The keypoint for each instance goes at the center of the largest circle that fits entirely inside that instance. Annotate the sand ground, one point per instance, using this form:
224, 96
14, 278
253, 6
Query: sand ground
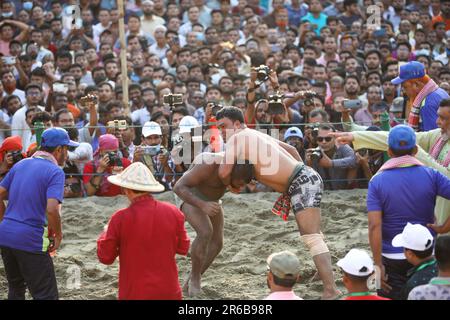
251, 234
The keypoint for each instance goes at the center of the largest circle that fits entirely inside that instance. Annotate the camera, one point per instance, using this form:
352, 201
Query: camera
316, 154
114, 159
215, 108
118, 124
9, 60
152, 150
75, 187
363, 152
262, 74
276, 105
308, 100
16, 156
90, 98
352, 104
173, 99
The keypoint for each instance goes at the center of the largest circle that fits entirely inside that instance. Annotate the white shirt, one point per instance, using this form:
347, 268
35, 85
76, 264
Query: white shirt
19, 126
17, 92
161, 53
185, 28
5, 118
81, 155
97, 31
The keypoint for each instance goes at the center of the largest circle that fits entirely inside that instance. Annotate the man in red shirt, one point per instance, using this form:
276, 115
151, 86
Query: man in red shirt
357, 267
146, 236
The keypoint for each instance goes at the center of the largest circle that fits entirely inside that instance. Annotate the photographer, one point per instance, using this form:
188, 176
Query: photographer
259, 115
333, 163
10, 154
73, 186
154, 155
106, 162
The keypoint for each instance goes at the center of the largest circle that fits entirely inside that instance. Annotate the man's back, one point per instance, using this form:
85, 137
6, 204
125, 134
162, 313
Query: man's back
146, 236
29, 183
405, 195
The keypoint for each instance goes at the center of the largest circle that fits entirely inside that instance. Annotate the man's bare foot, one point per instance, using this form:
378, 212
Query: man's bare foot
194, 287
331, 294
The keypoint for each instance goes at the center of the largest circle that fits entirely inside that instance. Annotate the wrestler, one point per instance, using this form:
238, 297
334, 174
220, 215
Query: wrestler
279, 166
200, 190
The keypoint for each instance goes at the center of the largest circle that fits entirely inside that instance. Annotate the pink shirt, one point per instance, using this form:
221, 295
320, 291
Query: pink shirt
4, 47
283, 295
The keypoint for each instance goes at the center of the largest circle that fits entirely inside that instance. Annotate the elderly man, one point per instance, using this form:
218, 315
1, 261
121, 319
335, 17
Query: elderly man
434, 150
146, 236
423, 93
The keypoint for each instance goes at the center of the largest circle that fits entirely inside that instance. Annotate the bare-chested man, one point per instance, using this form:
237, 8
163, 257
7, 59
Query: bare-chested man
200, 190
279, 166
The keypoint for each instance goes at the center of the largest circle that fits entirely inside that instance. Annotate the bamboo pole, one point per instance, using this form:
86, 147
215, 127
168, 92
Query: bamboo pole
123, 56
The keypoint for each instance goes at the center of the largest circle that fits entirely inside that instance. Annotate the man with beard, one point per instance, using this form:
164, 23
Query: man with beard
389, 90
261, 36
63, 62
149, 21
9, 86
351, 87
294, 137
59, 34
226, 86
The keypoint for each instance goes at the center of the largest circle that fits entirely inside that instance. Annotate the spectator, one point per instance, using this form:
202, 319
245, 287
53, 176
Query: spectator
437, 288
283, 273
154, 155
106, 162
332, 162
10, 154
417, 243
357, 267
385, 213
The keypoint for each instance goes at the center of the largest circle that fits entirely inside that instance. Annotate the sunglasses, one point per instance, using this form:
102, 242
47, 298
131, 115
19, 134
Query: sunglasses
321, 139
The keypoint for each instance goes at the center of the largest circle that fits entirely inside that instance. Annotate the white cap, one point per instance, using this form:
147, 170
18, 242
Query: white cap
187, 123
151, 128
357, 263
148, 2
414, 237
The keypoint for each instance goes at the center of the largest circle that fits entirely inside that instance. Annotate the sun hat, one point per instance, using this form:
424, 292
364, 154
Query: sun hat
137, 177
284, 265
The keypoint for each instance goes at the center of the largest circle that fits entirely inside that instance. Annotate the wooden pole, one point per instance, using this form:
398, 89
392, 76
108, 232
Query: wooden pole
123, 56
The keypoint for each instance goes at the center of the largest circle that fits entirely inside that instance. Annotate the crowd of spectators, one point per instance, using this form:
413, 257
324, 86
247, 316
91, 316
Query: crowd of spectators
211, 53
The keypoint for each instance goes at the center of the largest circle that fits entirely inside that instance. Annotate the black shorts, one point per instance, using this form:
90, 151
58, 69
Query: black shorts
305, 189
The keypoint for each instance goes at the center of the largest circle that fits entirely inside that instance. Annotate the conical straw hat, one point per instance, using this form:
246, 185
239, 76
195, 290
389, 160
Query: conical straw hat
137, 177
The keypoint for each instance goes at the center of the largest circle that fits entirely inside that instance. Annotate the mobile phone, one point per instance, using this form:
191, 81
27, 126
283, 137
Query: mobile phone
378, 33
60, 88
118, 124
352, 104
9, 60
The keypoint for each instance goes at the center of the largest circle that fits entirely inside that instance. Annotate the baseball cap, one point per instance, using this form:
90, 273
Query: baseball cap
187, 123
55, 137
284, 265
410, 70
397, 105
151, 128
357, 262
293, 132
414, 237
401, 137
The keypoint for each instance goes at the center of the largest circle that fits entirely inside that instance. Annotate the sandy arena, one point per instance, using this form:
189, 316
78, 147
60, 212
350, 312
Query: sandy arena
251, 233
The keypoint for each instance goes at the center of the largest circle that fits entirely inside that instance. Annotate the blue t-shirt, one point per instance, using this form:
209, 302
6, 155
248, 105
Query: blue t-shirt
30, 183
318, 22
428, 112
405, 195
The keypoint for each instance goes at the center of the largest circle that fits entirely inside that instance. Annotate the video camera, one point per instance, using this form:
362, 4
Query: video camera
173, 99
308, 100
87, 99
16, 156
316, 154
118, 124
276, 105
262, 74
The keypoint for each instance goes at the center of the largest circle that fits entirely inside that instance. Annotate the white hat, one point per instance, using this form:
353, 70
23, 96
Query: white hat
414, 237
357, 263
137, 177
148, 2
151, 128
187, 123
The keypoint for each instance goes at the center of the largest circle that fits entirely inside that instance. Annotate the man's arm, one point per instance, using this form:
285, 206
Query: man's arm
348, 159
375, 220
54, 220
3, 197
183, 240
108, 242
93, 120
